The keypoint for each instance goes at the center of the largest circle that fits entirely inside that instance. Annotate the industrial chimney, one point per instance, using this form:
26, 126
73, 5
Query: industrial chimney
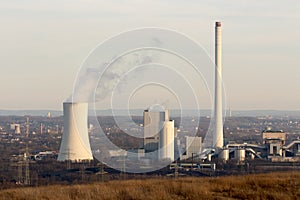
75, 145
218, 118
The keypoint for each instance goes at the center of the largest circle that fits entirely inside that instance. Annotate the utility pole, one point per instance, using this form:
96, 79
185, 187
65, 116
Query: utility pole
82, 171
69, 161
41, 128
27, 126
123, 173
27, 172
102, 171
176, 170
20, 171
26, 156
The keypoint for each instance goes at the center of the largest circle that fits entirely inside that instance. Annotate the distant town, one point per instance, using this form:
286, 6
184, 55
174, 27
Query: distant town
30, 146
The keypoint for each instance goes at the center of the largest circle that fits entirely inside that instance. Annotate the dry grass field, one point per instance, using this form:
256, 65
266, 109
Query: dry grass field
282, 186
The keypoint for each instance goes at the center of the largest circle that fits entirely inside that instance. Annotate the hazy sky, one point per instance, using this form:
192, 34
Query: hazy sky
43, 43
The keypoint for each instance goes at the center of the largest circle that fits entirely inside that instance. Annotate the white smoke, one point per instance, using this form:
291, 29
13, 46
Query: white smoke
99, 82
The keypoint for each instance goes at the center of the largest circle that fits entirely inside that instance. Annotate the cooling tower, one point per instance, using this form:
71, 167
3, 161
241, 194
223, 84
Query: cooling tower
166, 141
75, 143
218, 118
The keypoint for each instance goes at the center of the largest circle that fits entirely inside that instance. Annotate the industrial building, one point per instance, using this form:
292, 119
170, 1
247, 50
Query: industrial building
16, 128
274, 142
159, 134
153, 124
273, 148
166, 141
192, 147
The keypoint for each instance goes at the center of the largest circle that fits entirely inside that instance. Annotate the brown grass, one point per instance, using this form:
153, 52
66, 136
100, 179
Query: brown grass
263, 186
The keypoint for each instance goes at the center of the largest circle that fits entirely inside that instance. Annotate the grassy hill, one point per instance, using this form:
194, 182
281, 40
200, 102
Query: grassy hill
262, 186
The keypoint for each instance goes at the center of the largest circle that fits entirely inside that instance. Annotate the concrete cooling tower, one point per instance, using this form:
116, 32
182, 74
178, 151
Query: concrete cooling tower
75, 145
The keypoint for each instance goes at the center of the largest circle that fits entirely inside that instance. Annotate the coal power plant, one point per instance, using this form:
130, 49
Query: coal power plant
150, 100
161, 142
159, 130
151, 141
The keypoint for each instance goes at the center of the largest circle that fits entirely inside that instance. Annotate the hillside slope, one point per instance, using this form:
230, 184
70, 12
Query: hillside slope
262, 186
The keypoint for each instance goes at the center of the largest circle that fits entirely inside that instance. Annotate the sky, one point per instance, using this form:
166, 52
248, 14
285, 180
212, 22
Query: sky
44, 43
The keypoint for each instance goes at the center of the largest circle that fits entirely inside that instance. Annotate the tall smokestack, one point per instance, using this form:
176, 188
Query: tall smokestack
218, 135
75, 143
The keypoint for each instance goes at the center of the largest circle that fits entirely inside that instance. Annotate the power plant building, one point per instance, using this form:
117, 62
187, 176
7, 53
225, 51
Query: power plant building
274, 141
153, 124
193, 146
75, 145
16, 128
166, 141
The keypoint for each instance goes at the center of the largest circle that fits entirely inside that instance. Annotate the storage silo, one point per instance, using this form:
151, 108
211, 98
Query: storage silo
240, 154
75, 145
224, 154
